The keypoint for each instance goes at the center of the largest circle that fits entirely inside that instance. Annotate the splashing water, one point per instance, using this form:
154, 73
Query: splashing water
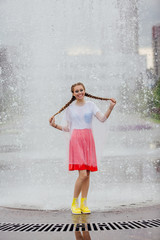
48, 48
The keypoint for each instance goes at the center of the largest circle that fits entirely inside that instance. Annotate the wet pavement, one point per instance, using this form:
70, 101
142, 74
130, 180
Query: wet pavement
140, 223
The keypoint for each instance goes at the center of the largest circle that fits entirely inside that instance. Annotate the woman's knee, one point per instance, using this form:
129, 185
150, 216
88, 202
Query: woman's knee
83, 175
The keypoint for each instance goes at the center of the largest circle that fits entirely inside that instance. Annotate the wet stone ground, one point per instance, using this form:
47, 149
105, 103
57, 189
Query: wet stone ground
142, 223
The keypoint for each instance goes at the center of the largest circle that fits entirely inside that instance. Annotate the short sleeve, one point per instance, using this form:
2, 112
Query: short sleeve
98, 114
95, 109
66, 121
66, 115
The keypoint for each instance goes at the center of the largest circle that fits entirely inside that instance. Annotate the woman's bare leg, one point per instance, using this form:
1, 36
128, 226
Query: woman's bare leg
83, 176
85, 186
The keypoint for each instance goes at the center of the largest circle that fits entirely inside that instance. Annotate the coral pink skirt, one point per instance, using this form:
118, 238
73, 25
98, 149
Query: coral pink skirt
82, 153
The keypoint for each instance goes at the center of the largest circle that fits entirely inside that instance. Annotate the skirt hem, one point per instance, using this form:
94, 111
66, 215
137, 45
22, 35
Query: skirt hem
73, 167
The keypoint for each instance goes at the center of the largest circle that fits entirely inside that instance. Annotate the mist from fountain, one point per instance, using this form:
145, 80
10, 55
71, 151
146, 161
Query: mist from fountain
51, 46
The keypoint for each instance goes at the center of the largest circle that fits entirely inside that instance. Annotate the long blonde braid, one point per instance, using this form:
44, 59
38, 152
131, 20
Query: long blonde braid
73, 97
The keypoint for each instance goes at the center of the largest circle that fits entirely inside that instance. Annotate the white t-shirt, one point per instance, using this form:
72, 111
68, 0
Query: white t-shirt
80, 117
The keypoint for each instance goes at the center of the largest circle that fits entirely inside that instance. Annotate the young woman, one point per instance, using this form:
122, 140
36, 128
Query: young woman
82, 154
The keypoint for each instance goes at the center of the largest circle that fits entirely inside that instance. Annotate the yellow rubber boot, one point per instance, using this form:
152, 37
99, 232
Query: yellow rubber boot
75, 208
83, 207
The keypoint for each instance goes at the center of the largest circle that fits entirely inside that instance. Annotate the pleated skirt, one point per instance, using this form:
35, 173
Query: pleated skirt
82, 152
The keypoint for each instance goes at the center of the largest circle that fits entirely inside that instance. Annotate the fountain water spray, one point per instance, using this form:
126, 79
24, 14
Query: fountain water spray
51, 46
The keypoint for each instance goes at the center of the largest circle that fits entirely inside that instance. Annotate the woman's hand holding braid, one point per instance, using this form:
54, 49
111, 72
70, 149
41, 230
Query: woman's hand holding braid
53, 124
112, 103
52, 121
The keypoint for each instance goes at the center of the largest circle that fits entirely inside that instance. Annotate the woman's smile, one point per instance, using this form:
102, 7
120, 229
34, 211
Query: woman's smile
79, 92
80, 95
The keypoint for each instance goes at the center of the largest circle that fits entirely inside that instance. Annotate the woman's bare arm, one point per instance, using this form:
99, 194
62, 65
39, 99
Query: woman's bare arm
102, 117
53, 124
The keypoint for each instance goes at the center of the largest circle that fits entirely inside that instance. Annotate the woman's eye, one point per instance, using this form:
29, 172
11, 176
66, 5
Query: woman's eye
77, 91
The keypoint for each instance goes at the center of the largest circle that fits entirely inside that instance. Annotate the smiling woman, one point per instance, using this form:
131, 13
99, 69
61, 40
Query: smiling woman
82, 152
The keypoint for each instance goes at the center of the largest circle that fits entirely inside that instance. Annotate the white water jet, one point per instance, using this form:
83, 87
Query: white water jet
59, 43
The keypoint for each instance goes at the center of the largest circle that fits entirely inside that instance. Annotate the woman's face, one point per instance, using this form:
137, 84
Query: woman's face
79, 92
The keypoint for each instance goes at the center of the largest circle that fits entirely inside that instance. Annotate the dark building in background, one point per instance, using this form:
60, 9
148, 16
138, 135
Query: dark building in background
156, 49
